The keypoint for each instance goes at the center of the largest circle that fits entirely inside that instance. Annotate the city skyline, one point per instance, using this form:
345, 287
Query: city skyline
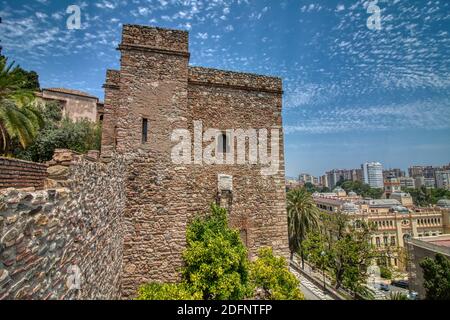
351, 93
405, 170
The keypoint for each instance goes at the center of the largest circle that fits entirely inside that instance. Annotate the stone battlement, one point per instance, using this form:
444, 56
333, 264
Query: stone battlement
237, 80
153, 38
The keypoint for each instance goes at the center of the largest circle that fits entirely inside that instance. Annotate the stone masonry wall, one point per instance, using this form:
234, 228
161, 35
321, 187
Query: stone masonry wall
153, 85
47, 236
110, 116
21, 174
228, 100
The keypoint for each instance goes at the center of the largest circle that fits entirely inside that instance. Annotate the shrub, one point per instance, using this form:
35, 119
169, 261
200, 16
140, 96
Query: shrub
385, 273
167, 291
58, 133
216, 261
270, 274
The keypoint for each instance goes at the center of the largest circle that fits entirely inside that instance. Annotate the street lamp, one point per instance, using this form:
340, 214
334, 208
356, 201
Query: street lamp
323, 270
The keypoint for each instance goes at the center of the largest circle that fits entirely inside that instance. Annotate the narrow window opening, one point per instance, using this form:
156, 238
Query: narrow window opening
144, 130
223, 143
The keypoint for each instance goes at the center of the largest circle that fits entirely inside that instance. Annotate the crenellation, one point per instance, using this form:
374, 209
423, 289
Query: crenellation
237, 80
166, 40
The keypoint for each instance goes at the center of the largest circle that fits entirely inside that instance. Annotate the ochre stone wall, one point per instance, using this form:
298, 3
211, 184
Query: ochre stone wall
47, 236
21, 174
156, 83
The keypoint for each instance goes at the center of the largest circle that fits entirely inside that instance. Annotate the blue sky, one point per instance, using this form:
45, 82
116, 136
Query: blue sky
351, 94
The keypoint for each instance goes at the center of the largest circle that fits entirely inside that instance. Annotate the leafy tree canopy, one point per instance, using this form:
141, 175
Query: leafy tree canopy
271, 275
436, 275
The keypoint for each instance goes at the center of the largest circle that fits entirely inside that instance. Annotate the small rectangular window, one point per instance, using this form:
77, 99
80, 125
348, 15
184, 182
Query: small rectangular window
223, 143
144, 130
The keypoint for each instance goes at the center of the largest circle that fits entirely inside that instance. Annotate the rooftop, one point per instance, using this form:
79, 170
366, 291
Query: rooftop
440, 244
71, 92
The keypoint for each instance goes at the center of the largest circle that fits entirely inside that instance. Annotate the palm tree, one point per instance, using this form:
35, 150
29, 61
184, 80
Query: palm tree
19, 118
303, 217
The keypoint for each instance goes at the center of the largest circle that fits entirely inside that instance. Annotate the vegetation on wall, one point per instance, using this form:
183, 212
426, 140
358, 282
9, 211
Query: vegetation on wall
217, 267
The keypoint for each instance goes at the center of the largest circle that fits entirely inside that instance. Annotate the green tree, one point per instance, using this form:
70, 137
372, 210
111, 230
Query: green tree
270, 274
362, 189
344, 250
19, 118
303, 217
59, 133
352, 254
314, 246
436, 275
216, 262
310, 187
424, 197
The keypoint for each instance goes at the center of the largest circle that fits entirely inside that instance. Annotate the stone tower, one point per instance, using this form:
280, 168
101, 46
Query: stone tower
156, 92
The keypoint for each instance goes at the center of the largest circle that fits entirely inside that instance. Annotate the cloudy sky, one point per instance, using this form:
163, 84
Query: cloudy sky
352, 93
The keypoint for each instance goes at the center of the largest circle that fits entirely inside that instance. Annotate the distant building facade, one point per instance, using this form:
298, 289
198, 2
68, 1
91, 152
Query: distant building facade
391, 185
339, 175
394, 220
443, 179
373, 174
407, 183
397, 173
75, 104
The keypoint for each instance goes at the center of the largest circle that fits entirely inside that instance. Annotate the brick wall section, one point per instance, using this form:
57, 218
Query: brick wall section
21, 174
43, 233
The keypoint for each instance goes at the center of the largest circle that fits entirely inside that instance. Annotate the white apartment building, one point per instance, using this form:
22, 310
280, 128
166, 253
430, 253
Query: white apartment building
373, 174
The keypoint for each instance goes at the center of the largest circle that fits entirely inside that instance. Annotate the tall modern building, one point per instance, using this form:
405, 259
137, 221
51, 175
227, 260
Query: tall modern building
339, 175
373, 174
443, 179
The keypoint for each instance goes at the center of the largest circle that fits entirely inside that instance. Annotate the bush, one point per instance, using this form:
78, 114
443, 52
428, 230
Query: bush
385, 273
270, 274
167, 291
216, 261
